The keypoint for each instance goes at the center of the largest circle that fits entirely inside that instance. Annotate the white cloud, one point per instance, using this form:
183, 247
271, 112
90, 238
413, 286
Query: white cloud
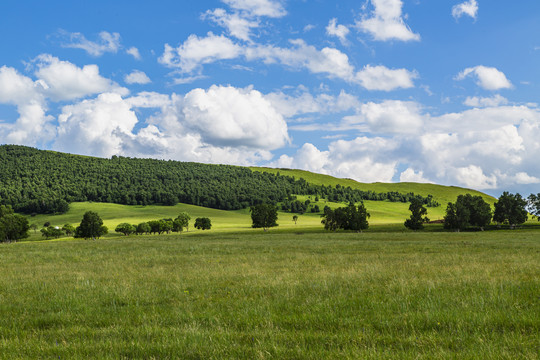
339, 31
488, 78
473, 177
63, 80
227, 116
95, 126
493, 101
33, 125
269, 8
362, 159
137, 77
133, 51
305, 103
107, 42
386, 22
237, 25
469, 8
410, 175
384, 79
196, 51
392, 117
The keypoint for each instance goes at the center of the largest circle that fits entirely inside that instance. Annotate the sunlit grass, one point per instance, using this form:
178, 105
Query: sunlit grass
268, 295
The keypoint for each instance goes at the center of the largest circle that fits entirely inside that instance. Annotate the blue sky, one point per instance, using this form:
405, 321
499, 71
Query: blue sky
380, 90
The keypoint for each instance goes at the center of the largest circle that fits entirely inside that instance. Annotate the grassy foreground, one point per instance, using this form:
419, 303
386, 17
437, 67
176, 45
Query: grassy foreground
274, 295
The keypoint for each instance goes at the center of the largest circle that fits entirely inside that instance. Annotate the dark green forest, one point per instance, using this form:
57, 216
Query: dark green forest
40, 182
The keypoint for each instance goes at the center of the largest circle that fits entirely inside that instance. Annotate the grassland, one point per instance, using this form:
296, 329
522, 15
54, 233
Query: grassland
281, 295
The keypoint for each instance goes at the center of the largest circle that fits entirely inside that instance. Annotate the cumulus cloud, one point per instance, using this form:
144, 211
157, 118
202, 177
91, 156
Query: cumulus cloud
392, 116
237, 25
339, 31
107, 42
96, 125
363, 159
137, 77
468, 8
62, 80
269, 8
410, 175
196, 51
493, 101
33, 125
384, 79
386, 22
228, 116
488, 78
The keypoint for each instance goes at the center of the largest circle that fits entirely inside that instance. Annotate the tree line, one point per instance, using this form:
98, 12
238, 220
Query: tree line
45, 182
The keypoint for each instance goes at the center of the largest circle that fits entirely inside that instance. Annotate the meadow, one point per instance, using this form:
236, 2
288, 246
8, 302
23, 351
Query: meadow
280, 294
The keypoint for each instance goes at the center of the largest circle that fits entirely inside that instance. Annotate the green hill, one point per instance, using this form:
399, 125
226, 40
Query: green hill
442, 194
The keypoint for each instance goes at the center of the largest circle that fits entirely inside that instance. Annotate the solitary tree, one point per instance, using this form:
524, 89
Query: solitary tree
295, 219
263, 216
91, 226
203, 223
418, 212
510, 209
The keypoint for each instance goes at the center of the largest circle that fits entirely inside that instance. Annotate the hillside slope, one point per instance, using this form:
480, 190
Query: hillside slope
442, 194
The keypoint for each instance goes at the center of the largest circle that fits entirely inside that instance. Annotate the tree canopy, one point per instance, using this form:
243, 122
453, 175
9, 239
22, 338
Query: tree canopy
91, 226
467, 211
510, 209
13, 226
203, 223
351, 217
418, 215
264, 216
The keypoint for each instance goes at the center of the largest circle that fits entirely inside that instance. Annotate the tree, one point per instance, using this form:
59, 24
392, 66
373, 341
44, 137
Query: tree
534, 205
418, 218
125, 229
457, 217
68, 229
52, 231
183, 220
510, 209
203, 223
295, 219
263, 216
13, 226
347, 218
91, 226
467, 211
143, 228
479, 210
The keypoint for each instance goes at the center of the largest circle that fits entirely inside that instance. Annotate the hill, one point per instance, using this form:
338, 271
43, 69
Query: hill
442, 194
36, 182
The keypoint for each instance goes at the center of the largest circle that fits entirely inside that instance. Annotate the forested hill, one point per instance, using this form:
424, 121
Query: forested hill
38, 181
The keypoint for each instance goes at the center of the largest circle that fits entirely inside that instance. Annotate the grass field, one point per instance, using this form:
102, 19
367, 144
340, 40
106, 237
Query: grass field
281, 295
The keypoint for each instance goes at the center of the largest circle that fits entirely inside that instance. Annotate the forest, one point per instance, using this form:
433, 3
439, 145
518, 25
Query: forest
36, 181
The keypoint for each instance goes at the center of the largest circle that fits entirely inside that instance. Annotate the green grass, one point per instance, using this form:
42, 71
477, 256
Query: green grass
443, 194
275, 295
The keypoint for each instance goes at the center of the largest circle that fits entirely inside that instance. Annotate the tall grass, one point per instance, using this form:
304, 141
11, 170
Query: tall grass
279, 295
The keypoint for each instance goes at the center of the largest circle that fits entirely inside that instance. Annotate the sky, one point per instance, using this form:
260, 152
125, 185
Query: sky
441, 91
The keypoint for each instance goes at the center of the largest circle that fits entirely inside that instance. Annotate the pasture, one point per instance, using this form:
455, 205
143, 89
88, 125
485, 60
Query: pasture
281, 294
